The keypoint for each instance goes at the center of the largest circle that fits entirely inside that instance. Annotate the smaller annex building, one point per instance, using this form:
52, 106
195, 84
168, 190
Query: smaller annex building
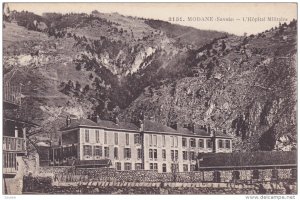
250, 166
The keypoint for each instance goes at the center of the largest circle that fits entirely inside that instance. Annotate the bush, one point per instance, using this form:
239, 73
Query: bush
36, 184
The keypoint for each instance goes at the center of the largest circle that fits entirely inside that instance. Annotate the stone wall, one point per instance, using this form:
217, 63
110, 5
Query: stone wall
71, 174
92, 187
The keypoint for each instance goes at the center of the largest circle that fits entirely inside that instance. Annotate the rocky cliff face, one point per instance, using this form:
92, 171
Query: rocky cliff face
109, 64
245, 86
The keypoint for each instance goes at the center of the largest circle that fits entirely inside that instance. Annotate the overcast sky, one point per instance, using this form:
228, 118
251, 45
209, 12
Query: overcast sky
164, 11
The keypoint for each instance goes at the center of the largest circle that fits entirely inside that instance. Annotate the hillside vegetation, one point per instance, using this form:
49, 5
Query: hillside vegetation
110, 64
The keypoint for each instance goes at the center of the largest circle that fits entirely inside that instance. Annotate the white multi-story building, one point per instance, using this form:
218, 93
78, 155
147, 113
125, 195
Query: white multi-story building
152, 146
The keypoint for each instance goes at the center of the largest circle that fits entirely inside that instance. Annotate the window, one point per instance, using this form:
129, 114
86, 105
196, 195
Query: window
172, 140
137, 139
174, 168
155, 166
255, 174
127, 166
172, 154
155, 140
139, 153
150, 140
97, 136
164, 167
118, 166
106, 152
87, 150
176, 141
127, 139
201, 143
220, 143
155, 153
235, 175
227, 144
193, 168
151, 166
208, 143
150, 153
192, 155
184, 142
127, 153
87, 136
116, 139
185, 167
105, 137
163, 140
185, 155
97, 150
138, 166
192, 142
164, 156
176, 154
217, 177
116, 153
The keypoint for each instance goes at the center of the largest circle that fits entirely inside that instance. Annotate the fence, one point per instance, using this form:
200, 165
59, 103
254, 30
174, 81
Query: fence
12, 94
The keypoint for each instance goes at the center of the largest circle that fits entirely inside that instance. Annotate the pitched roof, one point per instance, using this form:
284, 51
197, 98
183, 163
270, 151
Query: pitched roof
246, 159
149, 126
14, 116
120, 125
199, 131
101, 123
157, 127
79, 122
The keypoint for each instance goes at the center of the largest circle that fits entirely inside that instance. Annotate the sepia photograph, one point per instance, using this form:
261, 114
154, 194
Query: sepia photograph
149, 99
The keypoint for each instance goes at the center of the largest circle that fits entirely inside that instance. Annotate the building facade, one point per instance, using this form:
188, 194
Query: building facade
151, 146
14, 130
256, 166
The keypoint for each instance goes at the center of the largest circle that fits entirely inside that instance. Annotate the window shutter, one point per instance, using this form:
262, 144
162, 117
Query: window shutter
129, 152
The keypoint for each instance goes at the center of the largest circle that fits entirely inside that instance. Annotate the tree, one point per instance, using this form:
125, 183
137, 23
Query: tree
223, 45
91, 76
267, 140
71, 84
86, 89
77, 86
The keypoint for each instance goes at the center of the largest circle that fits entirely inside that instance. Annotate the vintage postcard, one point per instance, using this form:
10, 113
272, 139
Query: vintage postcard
149, 98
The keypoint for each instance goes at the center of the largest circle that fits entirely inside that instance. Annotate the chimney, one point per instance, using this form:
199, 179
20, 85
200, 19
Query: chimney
68, 121
193, 128
97, 119
212, 133
213, 140
224, 131
116, 120
174, 125
141, 121
205, 128
208, 129
190, 127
